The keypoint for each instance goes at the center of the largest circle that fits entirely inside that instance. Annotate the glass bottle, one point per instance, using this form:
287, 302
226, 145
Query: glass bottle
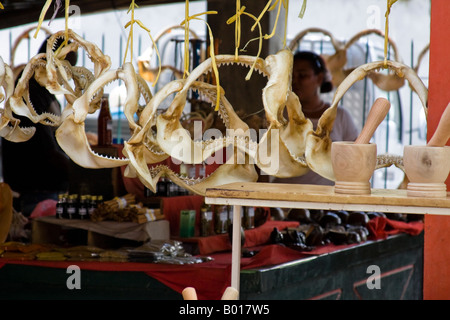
83, 207
161, 187
72, 206
104, 124
206, 220
221, 219
92, 205
61, 206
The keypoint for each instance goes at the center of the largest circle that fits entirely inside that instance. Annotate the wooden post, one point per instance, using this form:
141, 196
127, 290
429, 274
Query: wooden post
436, 285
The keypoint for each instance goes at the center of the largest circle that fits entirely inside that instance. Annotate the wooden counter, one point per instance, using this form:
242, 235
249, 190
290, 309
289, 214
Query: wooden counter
313, 197
323, 197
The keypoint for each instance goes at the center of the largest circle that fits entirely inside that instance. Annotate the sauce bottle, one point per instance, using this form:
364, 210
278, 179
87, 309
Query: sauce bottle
104, 124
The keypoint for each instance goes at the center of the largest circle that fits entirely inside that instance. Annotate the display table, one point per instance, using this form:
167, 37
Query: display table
313, 197
275, 273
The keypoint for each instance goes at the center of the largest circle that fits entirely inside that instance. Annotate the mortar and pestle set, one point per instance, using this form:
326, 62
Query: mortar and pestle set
427, 167
354, 162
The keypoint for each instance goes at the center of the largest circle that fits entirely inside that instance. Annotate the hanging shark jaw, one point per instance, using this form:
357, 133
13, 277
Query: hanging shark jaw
20, 100
228, 172
71, 135
54, 68
143, 147
9, 125
336, 62
387, 82
175, 140
318, 142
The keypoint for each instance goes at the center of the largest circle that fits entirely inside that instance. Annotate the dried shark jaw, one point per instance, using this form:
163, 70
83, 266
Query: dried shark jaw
281, 149
143, 147
53, 72
20, 100
176, 140
171, 137
71, 135
9, 125
386, 82
318, 142
55, 69
337, 61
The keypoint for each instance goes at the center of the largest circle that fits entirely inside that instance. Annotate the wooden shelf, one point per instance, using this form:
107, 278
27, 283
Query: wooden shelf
323, 197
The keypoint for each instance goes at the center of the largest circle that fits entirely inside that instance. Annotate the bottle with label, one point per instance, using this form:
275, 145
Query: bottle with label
161, 187
206, 220
221, 219
104, 124
249, 218
72, 206
83, 207
92, 205
61, 209
99, 199
202, 171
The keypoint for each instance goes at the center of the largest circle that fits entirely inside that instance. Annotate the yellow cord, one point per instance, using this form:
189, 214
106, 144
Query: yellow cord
285, 4
42, 16
1, 6
186, 39
390, 3
130, 38
66, 17
211, 52
302, 10
238, 27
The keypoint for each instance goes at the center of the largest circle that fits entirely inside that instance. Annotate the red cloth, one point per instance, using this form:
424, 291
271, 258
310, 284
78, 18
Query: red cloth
253, 237
210, 279
381, 227
44, 208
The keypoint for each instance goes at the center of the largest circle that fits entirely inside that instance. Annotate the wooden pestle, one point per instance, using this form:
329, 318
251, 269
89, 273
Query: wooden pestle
377, 113
189, 293
230, 294
442, 133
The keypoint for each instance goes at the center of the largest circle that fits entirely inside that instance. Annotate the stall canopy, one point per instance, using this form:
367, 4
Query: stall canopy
20, 12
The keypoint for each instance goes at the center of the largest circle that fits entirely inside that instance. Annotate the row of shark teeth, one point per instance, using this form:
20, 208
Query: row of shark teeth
188, 180
242, 64
387, 160
108, 157
299, 159
398, 73
153, 148
143, 89
228, 140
